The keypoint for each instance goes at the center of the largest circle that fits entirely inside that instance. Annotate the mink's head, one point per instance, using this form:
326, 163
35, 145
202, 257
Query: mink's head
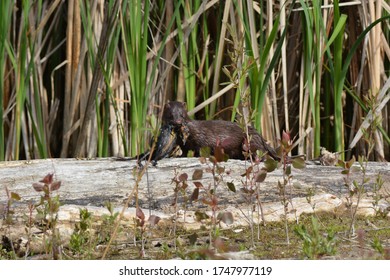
175, 113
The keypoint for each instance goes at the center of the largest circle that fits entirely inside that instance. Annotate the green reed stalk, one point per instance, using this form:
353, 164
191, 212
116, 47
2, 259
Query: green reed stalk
341, 70
347, 62
85, 14
135, 35
260, 75
338, 82
327, 112
313, 64
272, 63
108, 69
5, 23
262, 81
204, 75
34, 103
308, 42
318, 21
189, 51
34, 108
91, 42
135, 22
107, 65
21, 76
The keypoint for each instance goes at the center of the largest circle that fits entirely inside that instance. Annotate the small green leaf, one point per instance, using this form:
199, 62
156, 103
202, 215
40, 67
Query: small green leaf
201, 215
350, 162
205, 152
345, 172
341, 163
337, 30
15, 196
270, 165
231, 186
298, 163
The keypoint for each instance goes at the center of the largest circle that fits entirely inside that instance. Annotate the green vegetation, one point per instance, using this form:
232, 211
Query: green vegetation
88, 80
85, 80
319, 236
315, 244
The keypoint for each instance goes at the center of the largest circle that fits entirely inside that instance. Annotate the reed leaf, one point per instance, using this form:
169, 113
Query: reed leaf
121, 79
5, 22
272, 64
338, 78
134, 20
21, 77
107, 70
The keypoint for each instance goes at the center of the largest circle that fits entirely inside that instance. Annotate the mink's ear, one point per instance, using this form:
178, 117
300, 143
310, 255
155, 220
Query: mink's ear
184, 104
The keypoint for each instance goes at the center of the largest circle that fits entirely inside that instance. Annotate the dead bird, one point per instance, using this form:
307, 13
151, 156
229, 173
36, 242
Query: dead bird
165, 146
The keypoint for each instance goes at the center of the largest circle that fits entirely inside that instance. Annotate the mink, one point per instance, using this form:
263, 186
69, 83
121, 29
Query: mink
195, 134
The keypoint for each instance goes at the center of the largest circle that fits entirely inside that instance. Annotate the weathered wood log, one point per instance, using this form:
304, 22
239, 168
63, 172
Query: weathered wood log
91, 183
94, 182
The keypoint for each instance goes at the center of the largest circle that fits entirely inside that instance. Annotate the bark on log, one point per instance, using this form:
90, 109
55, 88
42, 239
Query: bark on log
91, 183
94, 182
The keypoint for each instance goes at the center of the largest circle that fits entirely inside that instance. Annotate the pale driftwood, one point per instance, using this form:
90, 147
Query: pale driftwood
96, 181
91, 183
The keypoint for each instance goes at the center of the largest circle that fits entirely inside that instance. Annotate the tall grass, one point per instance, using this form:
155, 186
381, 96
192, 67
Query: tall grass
313, 65
338, 79
302, 63
21, 77
190, 56
134, 21
6, 13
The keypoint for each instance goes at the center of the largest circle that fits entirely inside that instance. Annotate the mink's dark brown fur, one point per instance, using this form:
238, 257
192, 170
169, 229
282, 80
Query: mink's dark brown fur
196, 134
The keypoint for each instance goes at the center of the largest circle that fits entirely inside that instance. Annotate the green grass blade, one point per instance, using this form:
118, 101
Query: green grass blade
271, 66
5, 22
21, 86
338, 79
